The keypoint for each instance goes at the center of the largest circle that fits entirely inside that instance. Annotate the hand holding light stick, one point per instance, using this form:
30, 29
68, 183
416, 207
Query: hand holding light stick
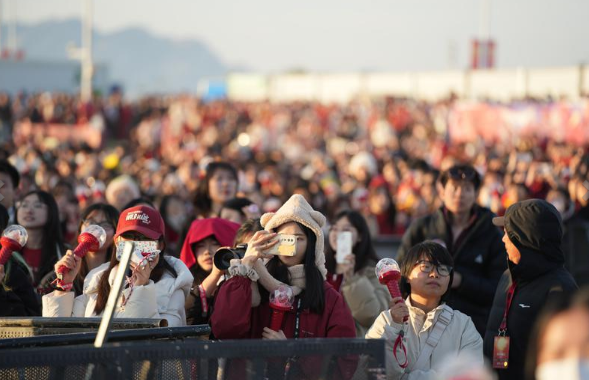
13, 239
92, 238
389, 274
281, 300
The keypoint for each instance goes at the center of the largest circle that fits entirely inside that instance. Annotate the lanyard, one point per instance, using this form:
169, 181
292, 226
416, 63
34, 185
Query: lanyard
508, 300
399, 344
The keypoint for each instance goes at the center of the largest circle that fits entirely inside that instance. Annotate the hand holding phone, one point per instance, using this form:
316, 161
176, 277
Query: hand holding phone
286, 246
344, 246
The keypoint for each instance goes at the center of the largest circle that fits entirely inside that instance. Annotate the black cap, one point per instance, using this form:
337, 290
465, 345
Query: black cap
534, 217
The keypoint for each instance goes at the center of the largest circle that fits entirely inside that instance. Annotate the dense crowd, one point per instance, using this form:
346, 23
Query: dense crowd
181, 178
381, 158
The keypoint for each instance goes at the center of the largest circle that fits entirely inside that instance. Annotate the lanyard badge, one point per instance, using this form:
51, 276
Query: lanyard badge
501, 342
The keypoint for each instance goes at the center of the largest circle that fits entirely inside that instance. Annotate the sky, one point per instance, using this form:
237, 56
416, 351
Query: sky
345, 35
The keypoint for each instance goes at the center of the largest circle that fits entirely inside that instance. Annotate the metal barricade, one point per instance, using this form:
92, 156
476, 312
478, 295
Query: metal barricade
194, 359
16, 327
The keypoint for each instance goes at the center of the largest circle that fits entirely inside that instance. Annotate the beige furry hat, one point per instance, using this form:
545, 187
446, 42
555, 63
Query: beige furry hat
297, 209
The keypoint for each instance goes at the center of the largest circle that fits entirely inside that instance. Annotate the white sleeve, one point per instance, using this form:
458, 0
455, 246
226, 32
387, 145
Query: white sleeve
64, 304
141, 303
176, 314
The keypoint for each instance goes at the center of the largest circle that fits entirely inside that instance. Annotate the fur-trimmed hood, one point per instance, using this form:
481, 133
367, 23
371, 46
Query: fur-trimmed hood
297, 209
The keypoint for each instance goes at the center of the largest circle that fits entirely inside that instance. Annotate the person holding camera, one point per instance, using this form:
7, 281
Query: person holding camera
350, 261
204, 238
243, 311
156, 287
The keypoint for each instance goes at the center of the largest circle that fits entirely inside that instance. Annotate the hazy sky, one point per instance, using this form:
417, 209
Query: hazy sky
346, 35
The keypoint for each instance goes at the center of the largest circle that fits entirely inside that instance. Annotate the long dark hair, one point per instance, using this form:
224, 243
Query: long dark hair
202, 199
112, 216
363, 250
156, 275
313, 297
434, 252
52, 240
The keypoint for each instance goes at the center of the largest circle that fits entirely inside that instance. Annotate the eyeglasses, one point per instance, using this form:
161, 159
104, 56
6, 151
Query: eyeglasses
427, 266
106, 225
462, 173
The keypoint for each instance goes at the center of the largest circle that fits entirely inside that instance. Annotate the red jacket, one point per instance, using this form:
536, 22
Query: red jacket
234, 318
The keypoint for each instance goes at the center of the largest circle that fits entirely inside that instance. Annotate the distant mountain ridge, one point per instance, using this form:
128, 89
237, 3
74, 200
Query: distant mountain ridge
136, 59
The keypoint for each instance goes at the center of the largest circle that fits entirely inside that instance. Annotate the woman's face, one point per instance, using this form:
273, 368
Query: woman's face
97, 217
222, 186
204, 251
292, 228
343, 225
32, 212
378, 201
137, 236
432, 285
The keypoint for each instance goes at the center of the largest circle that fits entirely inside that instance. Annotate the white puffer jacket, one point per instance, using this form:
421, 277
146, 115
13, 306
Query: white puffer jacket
164, 299
459, 338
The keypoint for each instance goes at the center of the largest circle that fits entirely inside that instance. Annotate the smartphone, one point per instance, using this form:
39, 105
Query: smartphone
286, 246
344, 246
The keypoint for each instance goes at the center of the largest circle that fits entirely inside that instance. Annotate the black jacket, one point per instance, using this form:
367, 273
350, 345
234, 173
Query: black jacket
17, 295
479, 257
574, 246
540, 276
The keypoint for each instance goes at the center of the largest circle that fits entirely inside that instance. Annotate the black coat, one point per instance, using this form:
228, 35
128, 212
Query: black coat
574, 246
540, 276
17, 296
479, 257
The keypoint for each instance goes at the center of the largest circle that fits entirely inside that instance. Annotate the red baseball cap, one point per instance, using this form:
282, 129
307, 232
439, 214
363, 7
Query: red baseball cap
142, 219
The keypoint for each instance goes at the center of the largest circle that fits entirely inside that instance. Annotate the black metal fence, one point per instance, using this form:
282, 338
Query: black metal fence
196, 359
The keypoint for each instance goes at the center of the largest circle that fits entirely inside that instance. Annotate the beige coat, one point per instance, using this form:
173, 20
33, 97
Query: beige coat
164, 299
460, 337
366, 297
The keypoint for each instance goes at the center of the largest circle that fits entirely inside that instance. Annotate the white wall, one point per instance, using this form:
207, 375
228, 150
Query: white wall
502, 85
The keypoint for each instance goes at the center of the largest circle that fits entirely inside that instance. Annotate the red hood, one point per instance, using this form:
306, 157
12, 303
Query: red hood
223, 230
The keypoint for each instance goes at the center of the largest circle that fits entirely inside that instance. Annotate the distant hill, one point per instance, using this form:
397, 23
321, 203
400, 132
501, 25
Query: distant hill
136, 59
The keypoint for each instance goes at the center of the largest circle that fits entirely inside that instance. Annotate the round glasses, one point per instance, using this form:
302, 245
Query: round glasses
427, 266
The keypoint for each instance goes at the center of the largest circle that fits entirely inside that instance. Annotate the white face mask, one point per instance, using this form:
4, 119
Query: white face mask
144, 251
569, 369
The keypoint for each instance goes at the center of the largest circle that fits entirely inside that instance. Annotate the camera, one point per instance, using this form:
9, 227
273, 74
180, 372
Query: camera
224, 255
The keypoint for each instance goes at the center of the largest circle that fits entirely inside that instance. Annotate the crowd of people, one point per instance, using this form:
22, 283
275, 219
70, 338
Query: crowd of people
490, 234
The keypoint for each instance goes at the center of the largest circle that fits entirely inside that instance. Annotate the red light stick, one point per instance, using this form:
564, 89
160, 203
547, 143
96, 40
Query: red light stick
13, 239
281, 300
92, 238
389, 274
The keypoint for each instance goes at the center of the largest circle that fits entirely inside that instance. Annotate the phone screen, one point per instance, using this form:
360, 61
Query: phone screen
344, 246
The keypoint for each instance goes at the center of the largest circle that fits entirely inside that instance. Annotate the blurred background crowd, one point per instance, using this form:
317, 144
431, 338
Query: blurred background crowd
381, 157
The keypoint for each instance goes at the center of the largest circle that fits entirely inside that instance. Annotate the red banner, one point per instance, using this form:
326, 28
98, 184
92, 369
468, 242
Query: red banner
563, 121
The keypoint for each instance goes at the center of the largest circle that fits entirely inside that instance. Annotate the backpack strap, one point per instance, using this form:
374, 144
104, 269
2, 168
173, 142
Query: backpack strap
444, 319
